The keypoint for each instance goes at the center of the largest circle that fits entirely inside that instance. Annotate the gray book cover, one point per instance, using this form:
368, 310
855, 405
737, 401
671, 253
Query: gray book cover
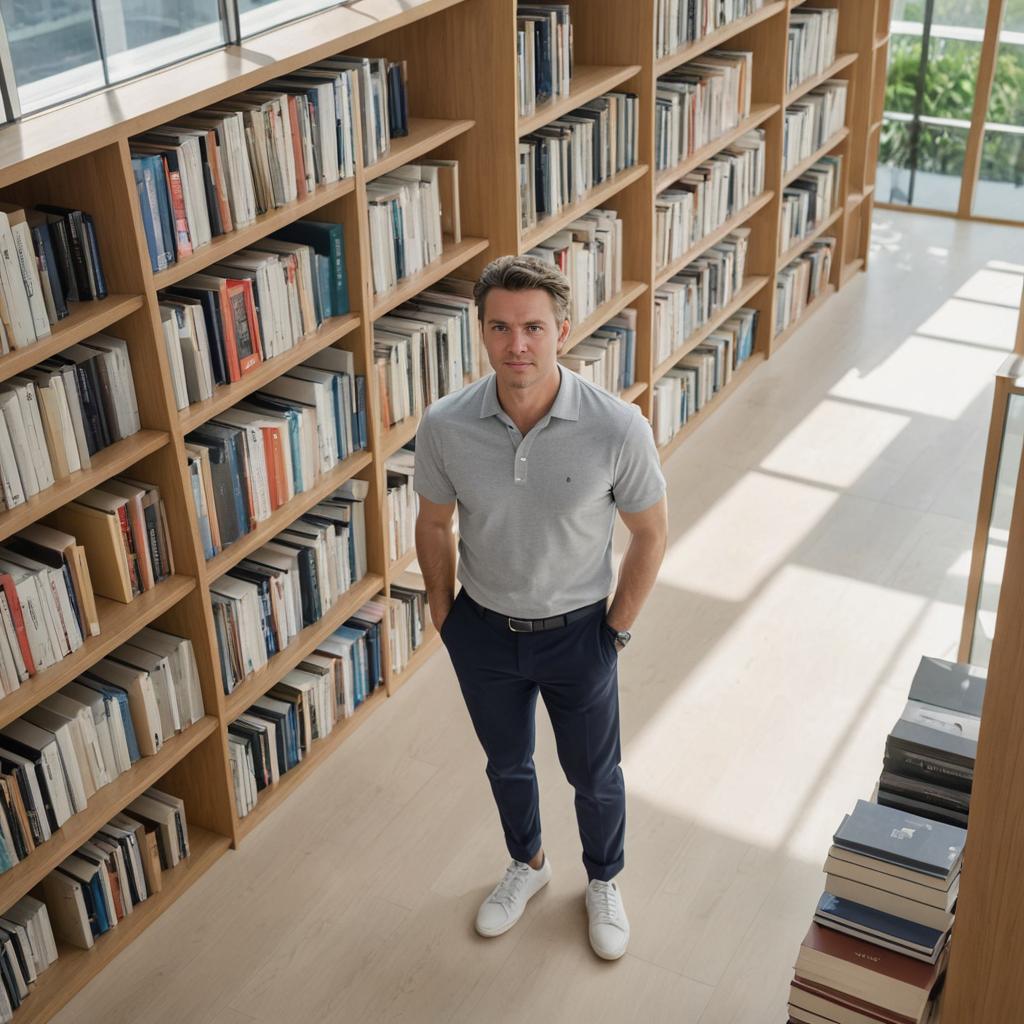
955, 686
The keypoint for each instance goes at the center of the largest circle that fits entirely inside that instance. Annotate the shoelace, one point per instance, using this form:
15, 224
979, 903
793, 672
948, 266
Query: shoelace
506, 892
605, 900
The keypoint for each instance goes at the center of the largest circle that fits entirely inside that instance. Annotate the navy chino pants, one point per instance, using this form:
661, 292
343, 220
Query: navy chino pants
575, 670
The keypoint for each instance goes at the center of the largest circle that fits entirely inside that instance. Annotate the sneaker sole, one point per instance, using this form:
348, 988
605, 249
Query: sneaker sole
608, 956
501, 931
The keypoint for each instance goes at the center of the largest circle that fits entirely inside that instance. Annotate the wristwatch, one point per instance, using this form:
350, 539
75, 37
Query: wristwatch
621, 636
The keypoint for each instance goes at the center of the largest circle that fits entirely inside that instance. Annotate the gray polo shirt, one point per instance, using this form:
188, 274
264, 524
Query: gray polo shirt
536, 512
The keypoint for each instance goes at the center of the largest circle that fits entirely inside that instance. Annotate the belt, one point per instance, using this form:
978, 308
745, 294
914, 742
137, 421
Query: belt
533, 625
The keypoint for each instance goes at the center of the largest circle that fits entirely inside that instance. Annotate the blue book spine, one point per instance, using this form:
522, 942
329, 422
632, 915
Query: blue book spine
360, 414
163, 202
869, 919
339, 424
323, 273
147, 216
339, 281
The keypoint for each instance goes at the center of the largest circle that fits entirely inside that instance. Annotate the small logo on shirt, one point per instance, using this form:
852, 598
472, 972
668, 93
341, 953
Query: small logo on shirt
568, 479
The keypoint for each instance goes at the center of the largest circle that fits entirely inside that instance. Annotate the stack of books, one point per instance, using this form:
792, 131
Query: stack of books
49, 257
810, 200
699, 102
589, 253
561, 162
811, 47
704, 199
879, 942
383, 99
929, 754
55, 416
812, 121
405, 209
401, 502
121, 866
408, 614
27, 948
249, 460
679, 22
544, 53
290, 583
688, 300
63, 751
800, 282
608, 356
688, 386
425, 349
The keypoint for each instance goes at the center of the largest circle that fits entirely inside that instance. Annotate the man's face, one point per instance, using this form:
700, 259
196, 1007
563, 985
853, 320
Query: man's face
521, 336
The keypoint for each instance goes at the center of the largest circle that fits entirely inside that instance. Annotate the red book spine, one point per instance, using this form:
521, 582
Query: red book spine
19, 621
182, 238
230, 341
254, 324
213, 152
129, 549
300, 164
272, 449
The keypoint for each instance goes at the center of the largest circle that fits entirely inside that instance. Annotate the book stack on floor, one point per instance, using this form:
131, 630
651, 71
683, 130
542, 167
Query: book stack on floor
73, 743
699, 102
800, 282
402, 502
810, 200
560, 162
679, 22
27, 949
700, 375
813, 34
252, 306
56, 415
687, 300
812, 120
49, 257
608, 356
121, 866
405, 209
249, 460
704, 199
589, 252
425, 349
544, 53
929, 754
408, 614
878, 946
290, 583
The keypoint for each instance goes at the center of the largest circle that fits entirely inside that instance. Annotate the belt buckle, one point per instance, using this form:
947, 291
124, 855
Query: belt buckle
526, 623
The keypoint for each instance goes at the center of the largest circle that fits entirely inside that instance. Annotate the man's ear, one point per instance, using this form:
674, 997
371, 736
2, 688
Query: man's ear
563, 335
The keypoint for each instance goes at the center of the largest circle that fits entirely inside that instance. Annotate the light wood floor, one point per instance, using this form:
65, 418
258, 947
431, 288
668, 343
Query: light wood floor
820, 530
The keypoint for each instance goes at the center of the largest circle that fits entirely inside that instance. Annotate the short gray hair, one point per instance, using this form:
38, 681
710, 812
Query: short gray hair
520, 273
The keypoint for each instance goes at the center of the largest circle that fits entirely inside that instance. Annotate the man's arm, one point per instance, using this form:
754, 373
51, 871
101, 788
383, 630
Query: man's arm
640, 564
435, 552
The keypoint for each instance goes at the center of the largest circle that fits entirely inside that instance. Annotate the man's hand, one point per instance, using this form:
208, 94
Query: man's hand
435, 552
639, 567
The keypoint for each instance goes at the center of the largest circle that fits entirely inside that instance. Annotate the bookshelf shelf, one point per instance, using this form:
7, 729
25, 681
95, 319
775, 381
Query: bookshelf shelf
805, 165
784, 335
759, 113
118, 623
799, 248
84, 319
750, 288
264, 225
400, 564
224, 397
399, 435
430, 643
695, 421
665, 64
737, 220
303, 644
851, 269
843, 61
273, 796
452, 257
105, 803
75, 967
596, 197
587, 83
425, 134
631, 291
282, 517
632, 393
105, 464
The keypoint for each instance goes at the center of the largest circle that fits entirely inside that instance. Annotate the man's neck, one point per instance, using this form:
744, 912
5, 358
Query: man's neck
526, 407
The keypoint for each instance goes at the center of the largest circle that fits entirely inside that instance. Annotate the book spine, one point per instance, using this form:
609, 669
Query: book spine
129, 550
182, 241
931, 769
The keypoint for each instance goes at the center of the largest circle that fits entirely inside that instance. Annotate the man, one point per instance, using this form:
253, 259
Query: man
538, 460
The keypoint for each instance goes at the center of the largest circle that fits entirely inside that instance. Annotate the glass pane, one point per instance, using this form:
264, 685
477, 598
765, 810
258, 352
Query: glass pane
140, 35
54, 50
260, 15
1000, 191
928, 109
998, 531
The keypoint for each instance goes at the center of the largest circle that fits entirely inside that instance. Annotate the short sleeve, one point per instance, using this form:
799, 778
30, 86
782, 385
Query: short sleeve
430, 478
639, 482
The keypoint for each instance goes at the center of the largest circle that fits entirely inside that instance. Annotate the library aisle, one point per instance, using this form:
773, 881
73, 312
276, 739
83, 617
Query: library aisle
821, 525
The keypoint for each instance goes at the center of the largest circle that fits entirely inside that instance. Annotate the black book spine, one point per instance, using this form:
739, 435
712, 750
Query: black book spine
157, 562
103, 431
931, 769
309, 589
78, 254
99, 280
90, 416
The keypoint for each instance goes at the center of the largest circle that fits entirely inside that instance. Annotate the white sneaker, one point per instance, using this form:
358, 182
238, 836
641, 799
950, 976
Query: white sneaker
508, 899
609, 927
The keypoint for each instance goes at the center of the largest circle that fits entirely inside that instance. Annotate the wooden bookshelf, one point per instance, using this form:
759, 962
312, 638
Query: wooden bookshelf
801, 246
78, 155
787, 332
843, 61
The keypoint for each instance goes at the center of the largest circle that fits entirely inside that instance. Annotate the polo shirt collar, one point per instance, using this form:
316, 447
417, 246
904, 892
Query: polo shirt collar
566, 405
